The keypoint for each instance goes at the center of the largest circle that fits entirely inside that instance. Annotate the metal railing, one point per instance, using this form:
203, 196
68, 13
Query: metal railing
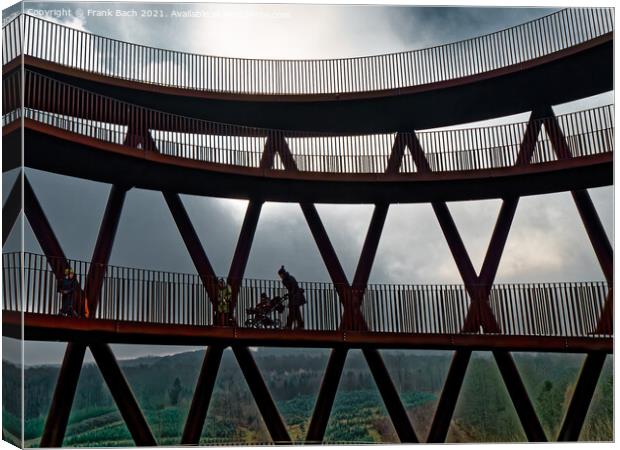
73, 48
149, 296
103, 118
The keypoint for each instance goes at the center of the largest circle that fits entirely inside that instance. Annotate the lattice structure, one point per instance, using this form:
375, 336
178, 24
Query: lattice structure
478, 286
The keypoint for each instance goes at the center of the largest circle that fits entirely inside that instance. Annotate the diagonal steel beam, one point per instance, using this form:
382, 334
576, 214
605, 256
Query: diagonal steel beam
596, 233
103, 246
391, 399
123, 396
242, 251
575, 417
520, 398
327, 394
62, 399
192, 242
11, 208
43, 231
202, 395
259, 390
449, 397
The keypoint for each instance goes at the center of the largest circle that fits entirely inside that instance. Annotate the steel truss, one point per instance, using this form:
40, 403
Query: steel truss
350, 294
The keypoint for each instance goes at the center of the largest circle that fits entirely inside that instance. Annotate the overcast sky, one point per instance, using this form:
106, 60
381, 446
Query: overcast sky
547, 241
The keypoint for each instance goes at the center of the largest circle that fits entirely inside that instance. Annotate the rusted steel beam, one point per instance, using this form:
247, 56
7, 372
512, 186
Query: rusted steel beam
62, 400
123, 396
456, 245
371, 243
364, 266
596, 233
498, 242
556, 135
396, 155
11, 208
43, 231
103, 246
261, 394
269, 153
242, 251
327, 394
582, 397
328, 254
449, 396
192, 242
417, 153
530, 137
520, 398
391, 399
202, 395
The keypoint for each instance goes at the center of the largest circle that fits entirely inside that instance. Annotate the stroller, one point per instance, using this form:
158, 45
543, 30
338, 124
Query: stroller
261, 315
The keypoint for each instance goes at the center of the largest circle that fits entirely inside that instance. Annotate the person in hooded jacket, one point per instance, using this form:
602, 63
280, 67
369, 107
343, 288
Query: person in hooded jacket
68, 287
296, 299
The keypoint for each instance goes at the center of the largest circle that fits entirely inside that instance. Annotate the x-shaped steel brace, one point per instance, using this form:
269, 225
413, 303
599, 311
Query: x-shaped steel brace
351, 297
478, 287
58, 416
206, 379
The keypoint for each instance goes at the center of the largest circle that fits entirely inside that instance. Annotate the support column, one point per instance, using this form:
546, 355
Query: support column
192, 242
123, 396
327, 394
43, 230
242, 251
103, 247
449, 396
390, 396
202, 395
259, 390
11, 208
582, 397
62, 400
596, 233
521, 400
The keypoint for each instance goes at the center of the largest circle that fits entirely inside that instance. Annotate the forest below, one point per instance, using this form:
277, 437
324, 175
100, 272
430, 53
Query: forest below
164, 386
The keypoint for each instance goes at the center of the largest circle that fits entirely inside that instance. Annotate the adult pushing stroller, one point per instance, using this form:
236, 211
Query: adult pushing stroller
262, 315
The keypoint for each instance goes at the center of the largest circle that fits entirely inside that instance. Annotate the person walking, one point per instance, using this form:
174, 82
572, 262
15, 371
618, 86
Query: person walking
296, 299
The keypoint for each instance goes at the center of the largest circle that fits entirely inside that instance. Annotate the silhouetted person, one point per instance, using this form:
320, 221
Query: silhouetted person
295, 299
224, 297
68, 288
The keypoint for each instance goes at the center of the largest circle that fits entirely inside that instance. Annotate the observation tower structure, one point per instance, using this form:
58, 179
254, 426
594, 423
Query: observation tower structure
347, 131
